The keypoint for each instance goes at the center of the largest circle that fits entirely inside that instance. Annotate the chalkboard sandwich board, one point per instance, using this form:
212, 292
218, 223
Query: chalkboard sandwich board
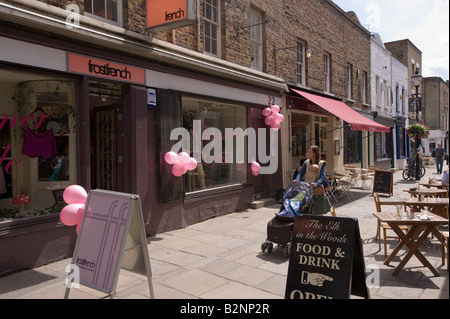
383, 182
326, 259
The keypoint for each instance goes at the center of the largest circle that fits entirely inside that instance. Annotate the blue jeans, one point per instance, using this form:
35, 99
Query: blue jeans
439, 163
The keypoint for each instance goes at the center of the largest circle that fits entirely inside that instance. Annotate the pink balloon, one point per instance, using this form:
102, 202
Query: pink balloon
268, 120
192, 164
72, 214
183, 157
267, 111
178, 169
279, 117
171, 157
255, 167
75, 194
255, 173
275, 125
275, 109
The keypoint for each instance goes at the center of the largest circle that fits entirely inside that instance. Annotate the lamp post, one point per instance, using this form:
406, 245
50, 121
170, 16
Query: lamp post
416, 79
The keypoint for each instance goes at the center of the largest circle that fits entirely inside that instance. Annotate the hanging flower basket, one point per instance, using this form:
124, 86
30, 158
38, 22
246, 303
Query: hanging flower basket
418, 130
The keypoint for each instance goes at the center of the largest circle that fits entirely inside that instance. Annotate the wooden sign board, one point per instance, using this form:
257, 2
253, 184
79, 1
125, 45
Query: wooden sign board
383, 182
111, 237
326, 259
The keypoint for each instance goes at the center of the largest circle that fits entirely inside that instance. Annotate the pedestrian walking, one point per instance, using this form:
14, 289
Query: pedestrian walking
440, 154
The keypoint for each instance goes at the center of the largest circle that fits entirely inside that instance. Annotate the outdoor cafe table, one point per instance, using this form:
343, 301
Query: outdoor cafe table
428, 192
418, 231
436, 185
437, 206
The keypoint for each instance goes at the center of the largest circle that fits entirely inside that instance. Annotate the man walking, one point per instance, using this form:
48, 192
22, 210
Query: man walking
440, 154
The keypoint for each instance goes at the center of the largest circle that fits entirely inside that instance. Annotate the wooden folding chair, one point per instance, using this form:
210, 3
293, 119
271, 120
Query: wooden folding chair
385, 226
444, 243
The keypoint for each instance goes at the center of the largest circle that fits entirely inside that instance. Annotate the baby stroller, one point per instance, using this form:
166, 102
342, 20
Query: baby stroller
279, 228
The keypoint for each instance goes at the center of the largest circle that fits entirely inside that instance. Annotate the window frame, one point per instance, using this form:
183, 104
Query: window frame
119, 21
349, 82
256, 45
327, 72
301, 63
213, 24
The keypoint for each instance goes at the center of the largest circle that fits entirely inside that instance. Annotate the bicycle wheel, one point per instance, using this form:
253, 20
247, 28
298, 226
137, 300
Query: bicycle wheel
406, 174
422, 171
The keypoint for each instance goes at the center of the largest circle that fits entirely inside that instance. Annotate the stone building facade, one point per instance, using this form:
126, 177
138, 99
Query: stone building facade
64, 60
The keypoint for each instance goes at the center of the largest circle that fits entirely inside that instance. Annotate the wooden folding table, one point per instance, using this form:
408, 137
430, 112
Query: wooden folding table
419, 229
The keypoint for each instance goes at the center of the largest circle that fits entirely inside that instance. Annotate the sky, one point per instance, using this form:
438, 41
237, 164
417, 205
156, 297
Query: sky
424, 22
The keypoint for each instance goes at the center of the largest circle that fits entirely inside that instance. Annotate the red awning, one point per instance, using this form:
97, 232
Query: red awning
358, 122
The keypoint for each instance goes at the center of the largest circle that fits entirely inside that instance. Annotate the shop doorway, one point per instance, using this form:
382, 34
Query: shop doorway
106, 133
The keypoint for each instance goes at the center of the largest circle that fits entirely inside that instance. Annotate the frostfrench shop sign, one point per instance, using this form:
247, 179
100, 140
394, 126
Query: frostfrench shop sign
170, 14
105, 69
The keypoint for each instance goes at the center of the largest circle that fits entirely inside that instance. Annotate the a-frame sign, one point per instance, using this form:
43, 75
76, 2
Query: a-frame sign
111, 237
326, 259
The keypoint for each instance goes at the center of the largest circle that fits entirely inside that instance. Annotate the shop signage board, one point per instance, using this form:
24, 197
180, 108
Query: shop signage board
111, 237
383, 182
326, 259
82, 64
170, 14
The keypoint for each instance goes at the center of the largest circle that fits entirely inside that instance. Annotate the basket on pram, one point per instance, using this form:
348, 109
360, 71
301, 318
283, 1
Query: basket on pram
279, 228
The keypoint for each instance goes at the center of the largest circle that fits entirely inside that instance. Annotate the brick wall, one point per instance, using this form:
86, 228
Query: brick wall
323, 26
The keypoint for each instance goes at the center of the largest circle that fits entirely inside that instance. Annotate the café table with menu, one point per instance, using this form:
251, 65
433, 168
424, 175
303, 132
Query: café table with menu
419, 228
438, 206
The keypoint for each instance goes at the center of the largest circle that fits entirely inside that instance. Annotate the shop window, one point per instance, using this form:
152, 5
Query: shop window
299, 137
380, 145
38, 139
401, 148
106, 10
352, 146
215, 169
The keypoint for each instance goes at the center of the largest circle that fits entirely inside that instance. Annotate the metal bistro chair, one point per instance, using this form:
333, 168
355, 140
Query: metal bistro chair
384, 226
330, 190
352, 174
365, 177
344, 185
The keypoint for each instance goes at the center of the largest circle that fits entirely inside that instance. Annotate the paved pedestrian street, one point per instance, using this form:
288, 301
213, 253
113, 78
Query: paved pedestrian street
221, 258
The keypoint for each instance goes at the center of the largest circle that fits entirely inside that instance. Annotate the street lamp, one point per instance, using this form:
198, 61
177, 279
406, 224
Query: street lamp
416, 79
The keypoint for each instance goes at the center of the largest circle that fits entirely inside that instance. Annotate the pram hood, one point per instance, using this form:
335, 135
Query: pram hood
296, 187
296, 196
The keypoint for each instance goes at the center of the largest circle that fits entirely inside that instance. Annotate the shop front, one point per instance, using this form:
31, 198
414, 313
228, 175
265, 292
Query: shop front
102, 120
384, 146
342, 134
202, 117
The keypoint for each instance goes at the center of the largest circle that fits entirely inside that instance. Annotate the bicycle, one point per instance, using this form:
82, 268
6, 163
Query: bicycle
409, 173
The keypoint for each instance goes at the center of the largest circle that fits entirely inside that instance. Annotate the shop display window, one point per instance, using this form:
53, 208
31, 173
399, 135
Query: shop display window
214, 170
37, 140
352, 146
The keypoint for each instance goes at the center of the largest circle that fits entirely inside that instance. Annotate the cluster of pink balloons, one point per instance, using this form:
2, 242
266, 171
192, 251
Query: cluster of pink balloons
75, 196
255, 168
182, 162
273, 117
